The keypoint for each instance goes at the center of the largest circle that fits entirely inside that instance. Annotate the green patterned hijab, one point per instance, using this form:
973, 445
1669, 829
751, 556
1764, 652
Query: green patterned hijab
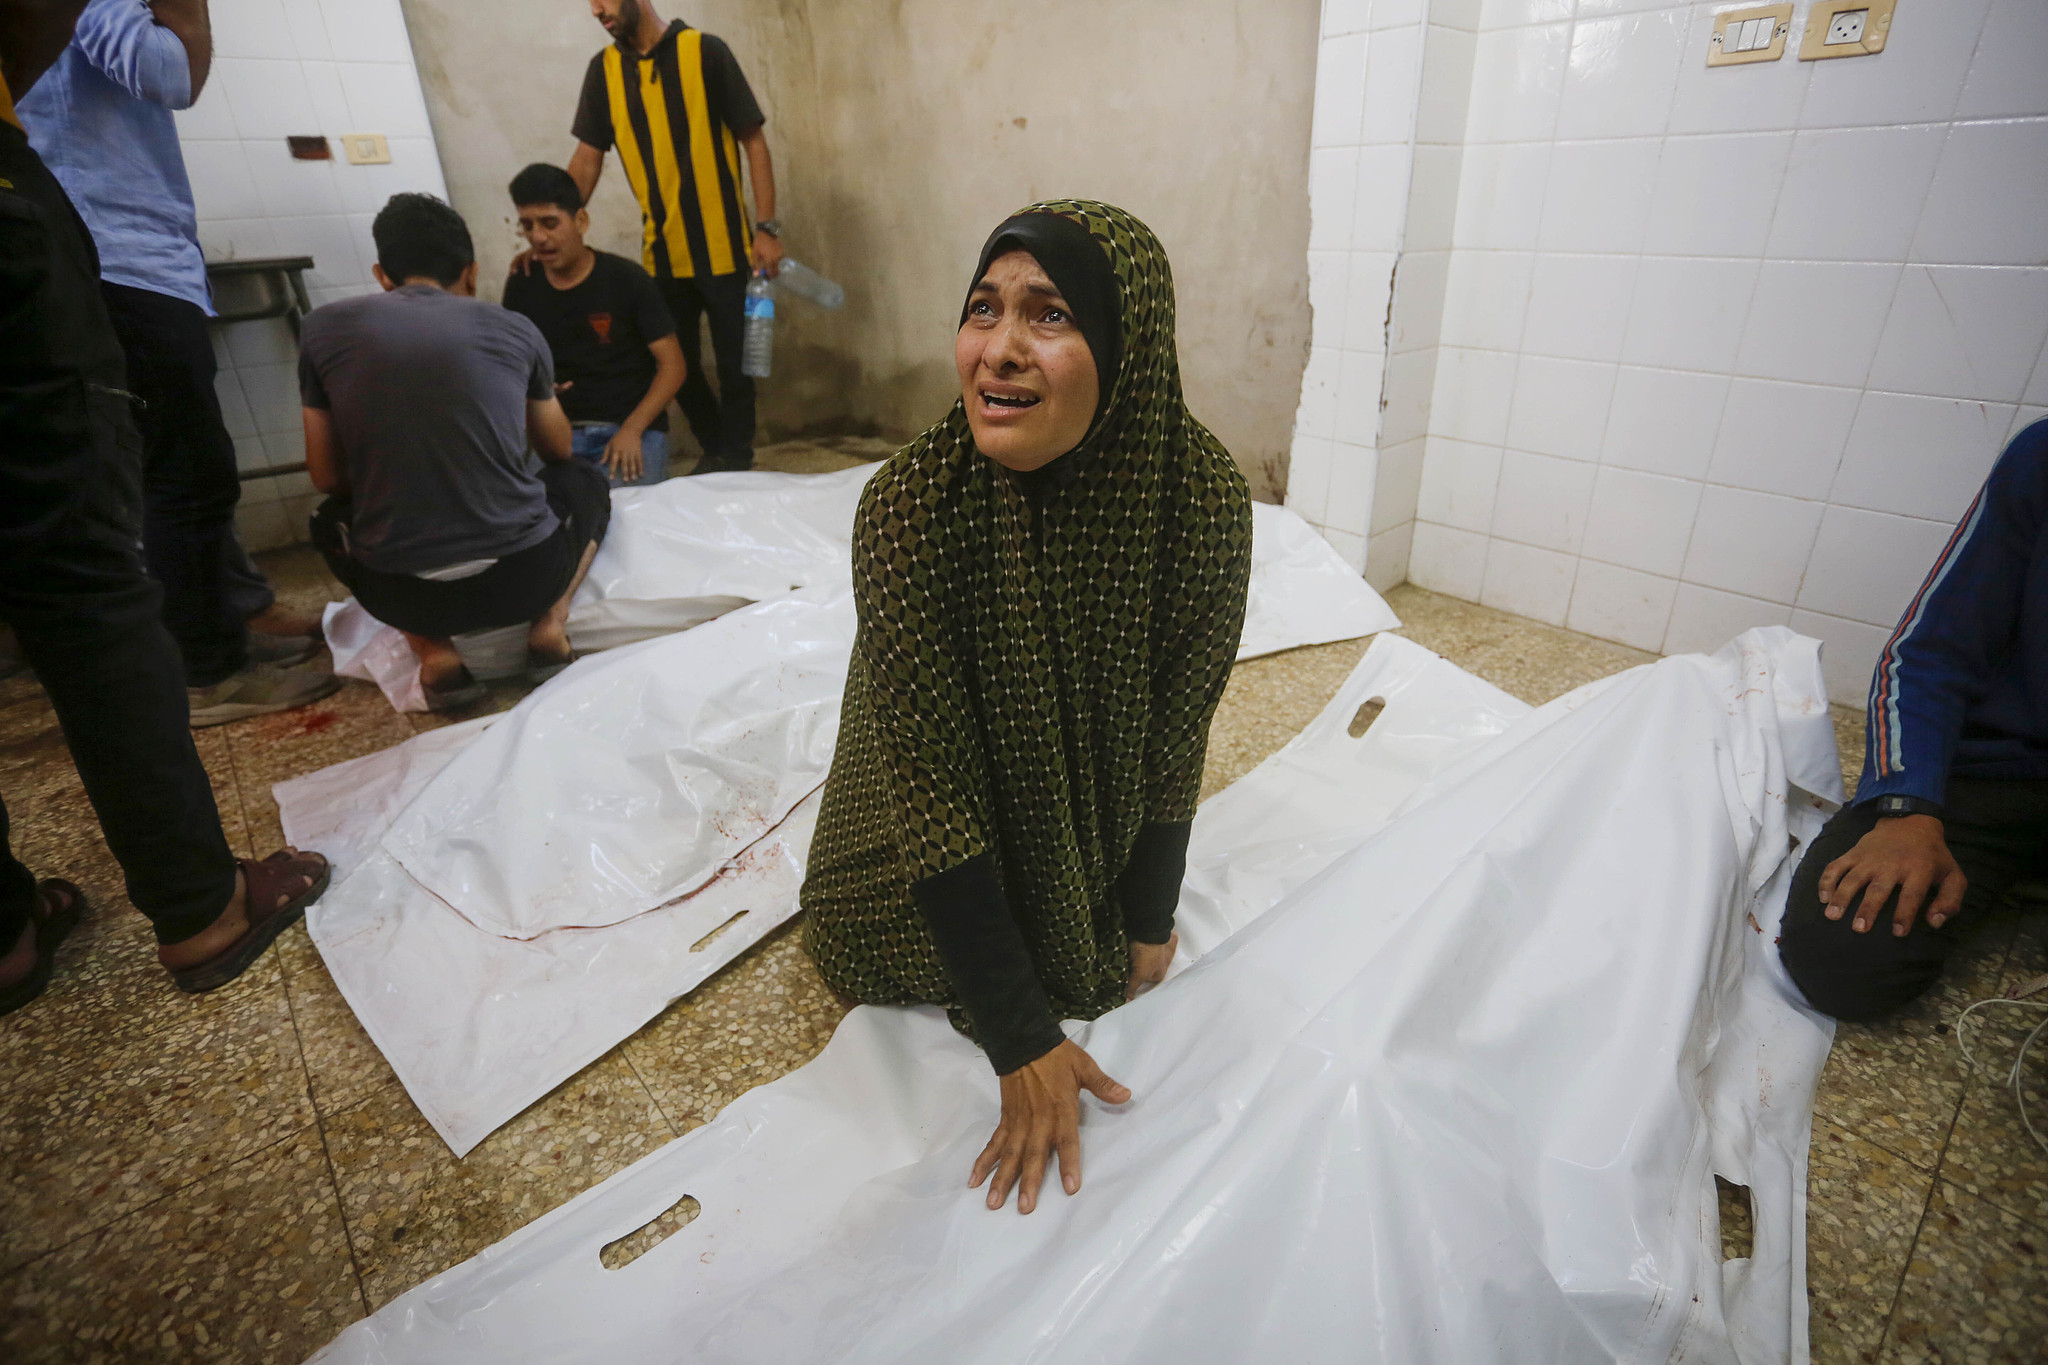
1035, 667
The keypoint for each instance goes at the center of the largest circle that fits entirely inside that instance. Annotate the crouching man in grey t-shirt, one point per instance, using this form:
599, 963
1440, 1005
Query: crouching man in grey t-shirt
420, 404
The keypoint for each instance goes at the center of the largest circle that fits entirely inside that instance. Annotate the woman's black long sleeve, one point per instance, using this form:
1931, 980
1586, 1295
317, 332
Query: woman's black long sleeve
984, 952
1149, 888
988, 964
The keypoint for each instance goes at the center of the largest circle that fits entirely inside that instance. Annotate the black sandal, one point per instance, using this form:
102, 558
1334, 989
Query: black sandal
540, 667
459, 695
51, 929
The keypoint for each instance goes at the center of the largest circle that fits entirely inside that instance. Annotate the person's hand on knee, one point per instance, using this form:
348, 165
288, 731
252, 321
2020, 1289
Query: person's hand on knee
622, 455
1906, 854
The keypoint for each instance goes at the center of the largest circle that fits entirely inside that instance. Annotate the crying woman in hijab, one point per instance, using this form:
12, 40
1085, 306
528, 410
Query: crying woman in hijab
1050, 586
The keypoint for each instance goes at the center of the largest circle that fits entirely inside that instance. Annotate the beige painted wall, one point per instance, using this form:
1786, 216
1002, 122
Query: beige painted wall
904, 130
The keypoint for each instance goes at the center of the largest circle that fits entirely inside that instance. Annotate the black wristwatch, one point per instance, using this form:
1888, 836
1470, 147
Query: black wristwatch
770, 226
1893, 805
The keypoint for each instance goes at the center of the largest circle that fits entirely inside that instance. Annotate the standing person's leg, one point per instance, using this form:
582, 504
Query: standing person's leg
90, 623
276, 635
87, 616
696, 398
190, 483
61, 378
1996, 831
17, 890
190, 487
248, 591
725, 304
252, 597
34, 919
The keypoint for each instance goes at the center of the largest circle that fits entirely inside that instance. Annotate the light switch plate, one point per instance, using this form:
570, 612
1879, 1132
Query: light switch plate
1821, 25
1756, 34
366, 149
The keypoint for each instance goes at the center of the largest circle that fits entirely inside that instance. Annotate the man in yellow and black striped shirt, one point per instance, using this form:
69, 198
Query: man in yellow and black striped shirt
674, 103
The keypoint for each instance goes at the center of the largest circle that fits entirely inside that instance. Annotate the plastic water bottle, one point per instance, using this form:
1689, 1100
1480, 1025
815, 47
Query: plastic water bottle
807, 283
759, 349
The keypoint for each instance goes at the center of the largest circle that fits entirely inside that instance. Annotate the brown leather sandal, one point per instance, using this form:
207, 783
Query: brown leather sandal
263, 885
62, 906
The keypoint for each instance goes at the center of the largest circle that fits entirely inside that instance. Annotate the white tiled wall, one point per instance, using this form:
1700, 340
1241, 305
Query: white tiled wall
285, 68
1391, 90
1718, 347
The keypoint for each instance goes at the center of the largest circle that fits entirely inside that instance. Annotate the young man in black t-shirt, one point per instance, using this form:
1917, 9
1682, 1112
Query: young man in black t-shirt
672, 101
617, 359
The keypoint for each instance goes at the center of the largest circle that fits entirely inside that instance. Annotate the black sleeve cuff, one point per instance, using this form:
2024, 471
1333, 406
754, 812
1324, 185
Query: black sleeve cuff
1149, 889
988, 964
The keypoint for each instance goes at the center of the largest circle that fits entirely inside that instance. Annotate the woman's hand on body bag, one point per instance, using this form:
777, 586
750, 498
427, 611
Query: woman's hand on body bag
1042, 1118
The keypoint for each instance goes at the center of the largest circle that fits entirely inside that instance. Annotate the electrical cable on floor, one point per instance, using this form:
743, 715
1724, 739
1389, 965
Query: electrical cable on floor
2015, 1079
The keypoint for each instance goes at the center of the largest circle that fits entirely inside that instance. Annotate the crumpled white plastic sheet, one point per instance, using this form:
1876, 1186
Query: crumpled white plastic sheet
366, 648
1302, 592
637, 780
1459, 1097
678, 553
691, 549
516, 894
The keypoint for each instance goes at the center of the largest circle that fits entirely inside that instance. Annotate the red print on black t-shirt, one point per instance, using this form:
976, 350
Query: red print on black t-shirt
601, 323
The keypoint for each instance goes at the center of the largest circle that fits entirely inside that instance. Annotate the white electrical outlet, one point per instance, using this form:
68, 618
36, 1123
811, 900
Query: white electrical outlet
1847, 27
366, 149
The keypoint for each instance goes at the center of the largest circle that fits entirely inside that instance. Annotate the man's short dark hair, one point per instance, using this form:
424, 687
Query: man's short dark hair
541, 183
419, 236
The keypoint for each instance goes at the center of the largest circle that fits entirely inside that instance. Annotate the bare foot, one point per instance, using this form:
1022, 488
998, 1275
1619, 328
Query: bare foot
215, 937
549, 638
268, 898
441, 664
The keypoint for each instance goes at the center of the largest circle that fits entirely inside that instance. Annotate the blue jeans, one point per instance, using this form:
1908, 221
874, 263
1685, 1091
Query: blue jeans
588, 440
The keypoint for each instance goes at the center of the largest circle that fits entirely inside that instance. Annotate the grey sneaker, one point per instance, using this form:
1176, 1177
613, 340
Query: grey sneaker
259, 690
282, 650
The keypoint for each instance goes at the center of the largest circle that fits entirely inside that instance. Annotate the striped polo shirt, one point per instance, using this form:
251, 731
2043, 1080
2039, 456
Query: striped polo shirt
675, 115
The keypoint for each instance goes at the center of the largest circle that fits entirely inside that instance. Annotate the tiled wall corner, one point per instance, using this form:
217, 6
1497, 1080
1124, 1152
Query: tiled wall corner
1393, 83
286, 68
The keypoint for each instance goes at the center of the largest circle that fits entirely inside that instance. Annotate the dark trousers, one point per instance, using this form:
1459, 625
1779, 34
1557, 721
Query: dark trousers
723, 422
190, 483
249, 592
72, 582
1998, 833
517, 590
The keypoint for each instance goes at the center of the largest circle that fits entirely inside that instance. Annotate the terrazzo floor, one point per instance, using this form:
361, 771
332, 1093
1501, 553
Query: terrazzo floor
236, 1177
